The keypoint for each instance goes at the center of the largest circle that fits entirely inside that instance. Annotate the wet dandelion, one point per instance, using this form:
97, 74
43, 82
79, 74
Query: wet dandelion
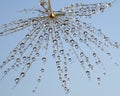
66, 32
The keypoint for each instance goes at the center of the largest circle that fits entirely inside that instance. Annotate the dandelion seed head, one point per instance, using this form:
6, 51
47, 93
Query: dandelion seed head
70, 38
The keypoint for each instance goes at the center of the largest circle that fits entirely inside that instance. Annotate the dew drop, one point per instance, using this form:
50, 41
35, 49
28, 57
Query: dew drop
82, 62
34, 49
38, 80
61, 51
5, 72
66, 40
30, 44
58, 62
73, 29
22, 74
13, 66
12, 57
27, 36
88, 74
74, 34
90, 66
70, 59
17, 80
33, 91
68, 91
37, 54
42, 70
33, 58
72, 42
81, 54
22, 45
80, 39
24, 57
65, 75
50, 29
18, 60
55, 42
1, 33
98, 78
58, 67
85, 33
76, 46
4, 62
17, 65
44, 59
28, 58
41, 37
104, 73
28, 65
94, 54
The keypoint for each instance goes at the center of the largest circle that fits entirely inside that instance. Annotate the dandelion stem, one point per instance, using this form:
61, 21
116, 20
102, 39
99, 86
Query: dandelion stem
52, 15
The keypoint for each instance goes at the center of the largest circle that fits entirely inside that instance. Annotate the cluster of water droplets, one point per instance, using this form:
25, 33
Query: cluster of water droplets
67, 35
85, 10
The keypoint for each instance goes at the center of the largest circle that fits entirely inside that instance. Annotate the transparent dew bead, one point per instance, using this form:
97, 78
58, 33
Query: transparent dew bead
72, 42
12, 57
5, 72
99, 79
33, 58
38, 80
50, 29
18, 60
13, 66
61, 52
55, 42
42, 70
94, 54
68, 91
28, 58
34, 49
88, 74
17, 80
44, 59
70, 59
22, 74
30, 44
1, 33
4, 62
27, 36
33, 91
76, 46
37, 54
81, 54
22, 45
74, 34
65, 75
91, 66
85, 33
81, 62
58, 62
28, 65
24, 57
41, 37
104, 73
17, 65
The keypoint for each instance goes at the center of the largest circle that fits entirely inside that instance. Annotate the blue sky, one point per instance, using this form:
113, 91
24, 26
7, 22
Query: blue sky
50, 86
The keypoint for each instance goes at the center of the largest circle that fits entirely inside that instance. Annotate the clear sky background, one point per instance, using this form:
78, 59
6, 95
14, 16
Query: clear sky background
109, 22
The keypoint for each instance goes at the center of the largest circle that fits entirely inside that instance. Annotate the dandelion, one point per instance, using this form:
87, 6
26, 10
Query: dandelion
65, 33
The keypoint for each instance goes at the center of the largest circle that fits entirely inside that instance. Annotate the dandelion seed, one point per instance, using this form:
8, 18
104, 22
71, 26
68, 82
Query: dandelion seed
56, 27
